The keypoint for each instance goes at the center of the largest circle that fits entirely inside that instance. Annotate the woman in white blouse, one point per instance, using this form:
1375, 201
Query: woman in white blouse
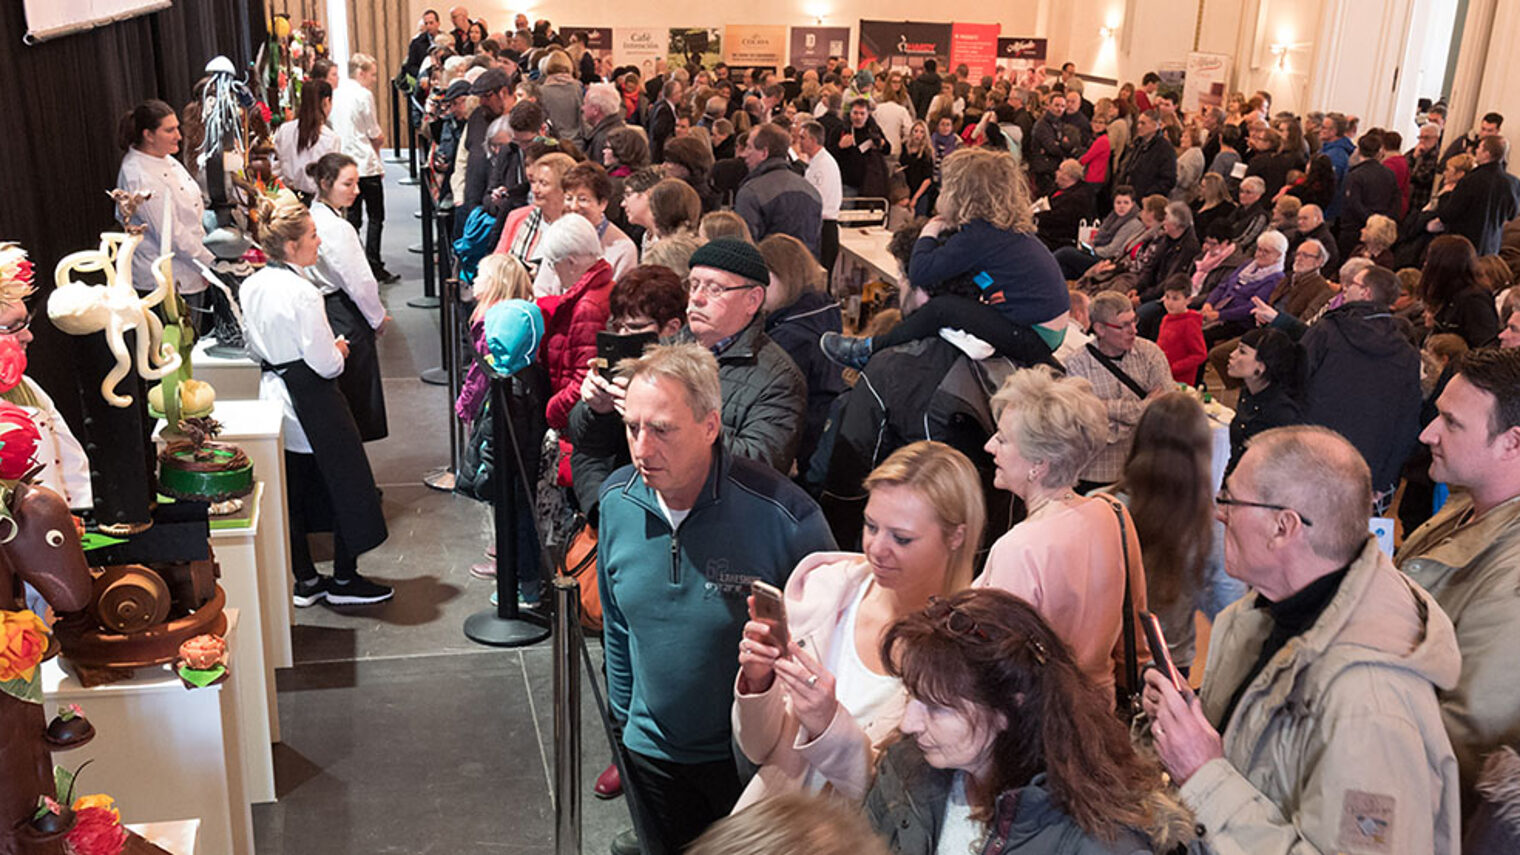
300, 143
350, 291
149, 134
816, 713
329, 484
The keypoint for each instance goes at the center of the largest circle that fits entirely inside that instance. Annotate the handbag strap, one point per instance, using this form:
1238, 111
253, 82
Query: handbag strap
1119, 373
1131, 653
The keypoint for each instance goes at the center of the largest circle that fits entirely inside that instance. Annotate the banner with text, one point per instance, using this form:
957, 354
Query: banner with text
1208, 75
1020, 53
598, 40
639, 46
812, 46
904, 44
703, 43
747, 46
976, 46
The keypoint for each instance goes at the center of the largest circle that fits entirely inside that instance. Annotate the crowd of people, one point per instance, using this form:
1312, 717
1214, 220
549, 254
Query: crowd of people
967, 509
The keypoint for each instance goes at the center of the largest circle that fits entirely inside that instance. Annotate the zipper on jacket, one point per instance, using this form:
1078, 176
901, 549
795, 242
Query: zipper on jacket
675, 558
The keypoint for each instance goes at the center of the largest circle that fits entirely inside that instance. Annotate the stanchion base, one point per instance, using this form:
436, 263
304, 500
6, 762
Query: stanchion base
489, 629
440, 479
396, 158
435, 377
416, 215
415, 248
408, 181
423, 302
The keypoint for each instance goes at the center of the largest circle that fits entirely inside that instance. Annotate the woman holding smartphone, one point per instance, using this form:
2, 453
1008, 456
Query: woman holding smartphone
814, 714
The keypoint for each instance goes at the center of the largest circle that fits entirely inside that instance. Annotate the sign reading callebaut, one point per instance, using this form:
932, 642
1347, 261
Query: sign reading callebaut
749, 46
904, 44
812, 46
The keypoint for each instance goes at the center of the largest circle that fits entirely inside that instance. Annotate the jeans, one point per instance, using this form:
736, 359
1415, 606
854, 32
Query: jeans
371, 205
1074, 262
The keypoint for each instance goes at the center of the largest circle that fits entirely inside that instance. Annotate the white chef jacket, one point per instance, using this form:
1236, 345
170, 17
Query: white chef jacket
290, 164
823, 174
171, 185
65, 468
353, 118
285, 320
341, 264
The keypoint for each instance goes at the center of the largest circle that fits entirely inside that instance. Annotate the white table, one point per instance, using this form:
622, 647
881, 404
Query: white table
255, 426
1219, 456
235, 379
162, 750
180, 837
863, 253
236, 551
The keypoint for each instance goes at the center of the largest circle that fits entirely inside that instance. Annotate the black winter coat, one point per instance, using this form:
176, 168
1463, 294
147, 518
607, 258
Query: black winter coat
1479, 206
797, 329
1149, 166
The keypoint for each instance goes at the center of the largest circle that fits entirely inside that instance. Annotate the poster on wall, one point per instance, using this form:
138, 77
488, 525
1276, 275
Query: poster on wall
812, 46
705, 43
904, 45
746, 46
639, 46
975, 45
1208, 76
598, 40
1021, 57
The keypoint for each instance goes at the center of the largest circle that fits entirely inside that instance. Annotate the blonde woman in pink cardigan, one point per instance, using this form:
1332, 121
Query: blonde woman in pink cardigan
1067, 557
813, 716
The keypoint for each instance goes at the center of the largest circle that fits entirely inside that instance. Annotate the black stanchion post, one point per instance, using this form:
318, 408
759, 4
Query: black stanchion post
567, 716
411, 159
430, 270
396, 102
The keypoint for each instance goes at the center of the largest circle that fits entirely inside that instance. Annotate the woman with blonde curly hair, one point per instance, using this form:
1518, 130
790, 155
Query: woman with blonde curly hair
984, 233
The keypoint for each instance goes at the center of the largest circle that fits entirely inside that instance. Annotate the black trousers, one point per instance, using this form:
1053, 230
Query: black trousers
1019, 343
371, 205
828, 247
676, 802
305, 515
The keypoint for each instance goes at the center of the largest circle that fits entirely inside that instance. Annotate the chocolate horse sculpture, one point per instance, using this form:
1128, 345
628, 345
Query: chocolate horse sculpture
41, 547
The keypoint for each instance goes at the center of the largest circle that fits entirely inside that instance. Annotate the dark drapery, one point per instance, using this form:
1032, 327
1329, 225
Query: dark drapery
58, 157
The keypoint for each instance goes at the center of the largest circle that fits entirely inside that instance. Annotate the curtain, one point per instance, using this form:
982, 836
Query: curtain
381, 29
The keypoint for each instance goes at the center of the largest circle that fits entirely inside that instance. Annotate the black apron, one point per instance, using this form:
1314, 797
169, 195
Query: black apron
360, 380
346, 500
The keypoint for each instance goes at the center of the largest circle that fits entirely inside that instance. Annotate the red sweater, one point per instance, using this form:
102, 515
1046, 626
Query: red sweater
1181, 339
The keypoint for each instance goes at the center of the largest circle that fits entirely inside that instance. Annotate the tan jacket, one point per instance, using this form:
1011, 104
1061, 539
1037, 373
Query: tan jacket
1474, 573
818, 593
1337, 745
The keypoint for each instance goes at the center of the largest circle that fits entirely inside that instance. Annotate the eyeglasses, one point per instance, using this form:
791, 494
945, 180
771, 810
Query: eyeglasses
20, 326
712, 290
1129, 326
1224, 500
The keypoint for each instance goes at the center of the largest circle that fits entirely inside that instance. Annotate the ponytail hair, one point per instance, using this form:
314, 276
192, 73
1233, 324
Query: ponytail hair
279, 221
326, 169
146, 116
310, 119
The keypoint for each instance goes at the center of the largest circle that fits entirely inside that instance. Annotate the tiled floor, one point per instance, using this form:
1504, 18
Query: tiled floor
400, 734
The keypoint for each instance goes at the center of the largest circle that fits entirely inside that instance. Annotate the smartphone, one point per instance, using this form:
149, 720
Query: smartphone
770, 607
612, 348
1159, 651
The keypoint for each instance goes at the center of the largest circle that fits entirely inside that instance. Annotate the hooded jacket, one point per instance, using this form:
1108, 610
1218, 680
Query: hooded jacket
1473, 571
906, 805
1364, 382
797, 329
1337, 745
818, 594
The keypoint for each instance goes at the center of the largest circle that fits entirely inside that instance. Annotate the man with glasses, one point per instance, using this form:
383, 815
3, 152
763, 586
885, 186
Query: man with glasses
1311, 225
1317, 727
1299, 296
1126, 371
764, 392
1468, 555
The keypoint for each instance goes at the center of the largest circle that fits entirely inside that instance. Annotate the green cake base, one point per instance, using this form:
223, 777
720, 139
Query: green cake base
214, 472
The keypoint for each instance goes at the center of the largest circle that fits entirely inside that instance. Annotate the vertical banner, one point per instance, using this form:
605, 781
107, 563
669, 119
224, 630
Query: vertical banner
975, 45
1208, 76
904, 45
598, 40
639, 46
811, 47
746, 46
705, 44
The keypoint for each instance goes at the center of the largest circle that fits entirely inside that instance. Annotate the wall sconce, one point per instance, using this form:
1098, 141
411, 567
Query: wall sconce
1106, 32
1280, 56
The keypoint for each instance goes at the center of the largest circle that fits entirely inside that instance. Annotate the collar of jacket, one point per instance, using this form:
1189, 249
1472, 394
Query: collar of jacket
596, 276
770, 164
641, 494
745, 343
1462, 545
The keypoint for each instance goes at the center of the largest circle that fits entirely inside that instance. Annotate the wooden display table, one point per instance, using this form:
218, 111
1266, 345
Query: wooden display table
163, 750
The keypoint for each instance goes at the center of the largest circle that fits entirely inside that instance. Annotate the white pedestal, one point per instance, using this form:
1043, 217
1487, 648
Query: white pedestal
236, 551
255, 426
162, 750
233, 379
182, 837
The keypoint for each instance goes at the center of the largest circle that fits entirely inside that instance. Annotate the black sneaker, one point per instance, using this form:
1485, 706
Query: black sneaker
844, 350
357, 591
385, 277
309, 592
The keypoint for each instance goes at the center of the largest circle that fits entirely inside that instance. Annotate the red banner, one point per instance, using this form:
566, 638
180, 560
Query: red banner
976, 46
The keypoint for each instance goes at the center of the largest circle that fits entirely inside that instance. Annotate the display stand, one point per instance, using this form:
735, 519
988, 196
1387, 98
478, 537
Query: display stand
163, 750
181, 837
235, 378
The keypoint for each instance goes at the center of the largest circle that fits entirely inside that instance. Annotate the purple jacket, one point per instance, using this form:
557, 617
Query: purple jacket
1232, 297
472, 393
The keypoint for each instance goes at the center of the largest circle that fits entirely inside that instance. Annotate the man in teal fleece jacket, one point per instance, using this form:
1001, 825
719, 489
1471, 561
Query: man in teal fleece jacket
683, 532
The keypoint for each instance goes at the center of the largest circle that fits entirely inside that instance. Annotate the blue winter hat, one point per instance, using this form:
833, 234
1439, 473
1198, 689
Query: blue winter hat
514, 329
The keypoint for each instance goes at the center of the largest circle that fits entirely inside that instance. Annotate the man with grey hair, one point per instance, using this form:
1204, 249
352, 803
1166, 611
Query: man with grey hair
1179, 246
682, 534
602, 114
1310, 223
823, 174
1126, 372
1072, 201
1317, 727
1299, 295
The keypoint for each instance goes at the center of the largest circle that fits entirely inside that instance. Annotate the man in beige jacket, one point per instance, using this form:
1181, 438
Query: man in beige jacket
1468, 555
1317, 728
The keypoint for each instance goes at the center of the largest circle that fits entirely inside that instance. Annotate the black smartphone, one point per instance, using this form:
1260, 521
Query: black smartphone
771, 608
612, 348
1160, 654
